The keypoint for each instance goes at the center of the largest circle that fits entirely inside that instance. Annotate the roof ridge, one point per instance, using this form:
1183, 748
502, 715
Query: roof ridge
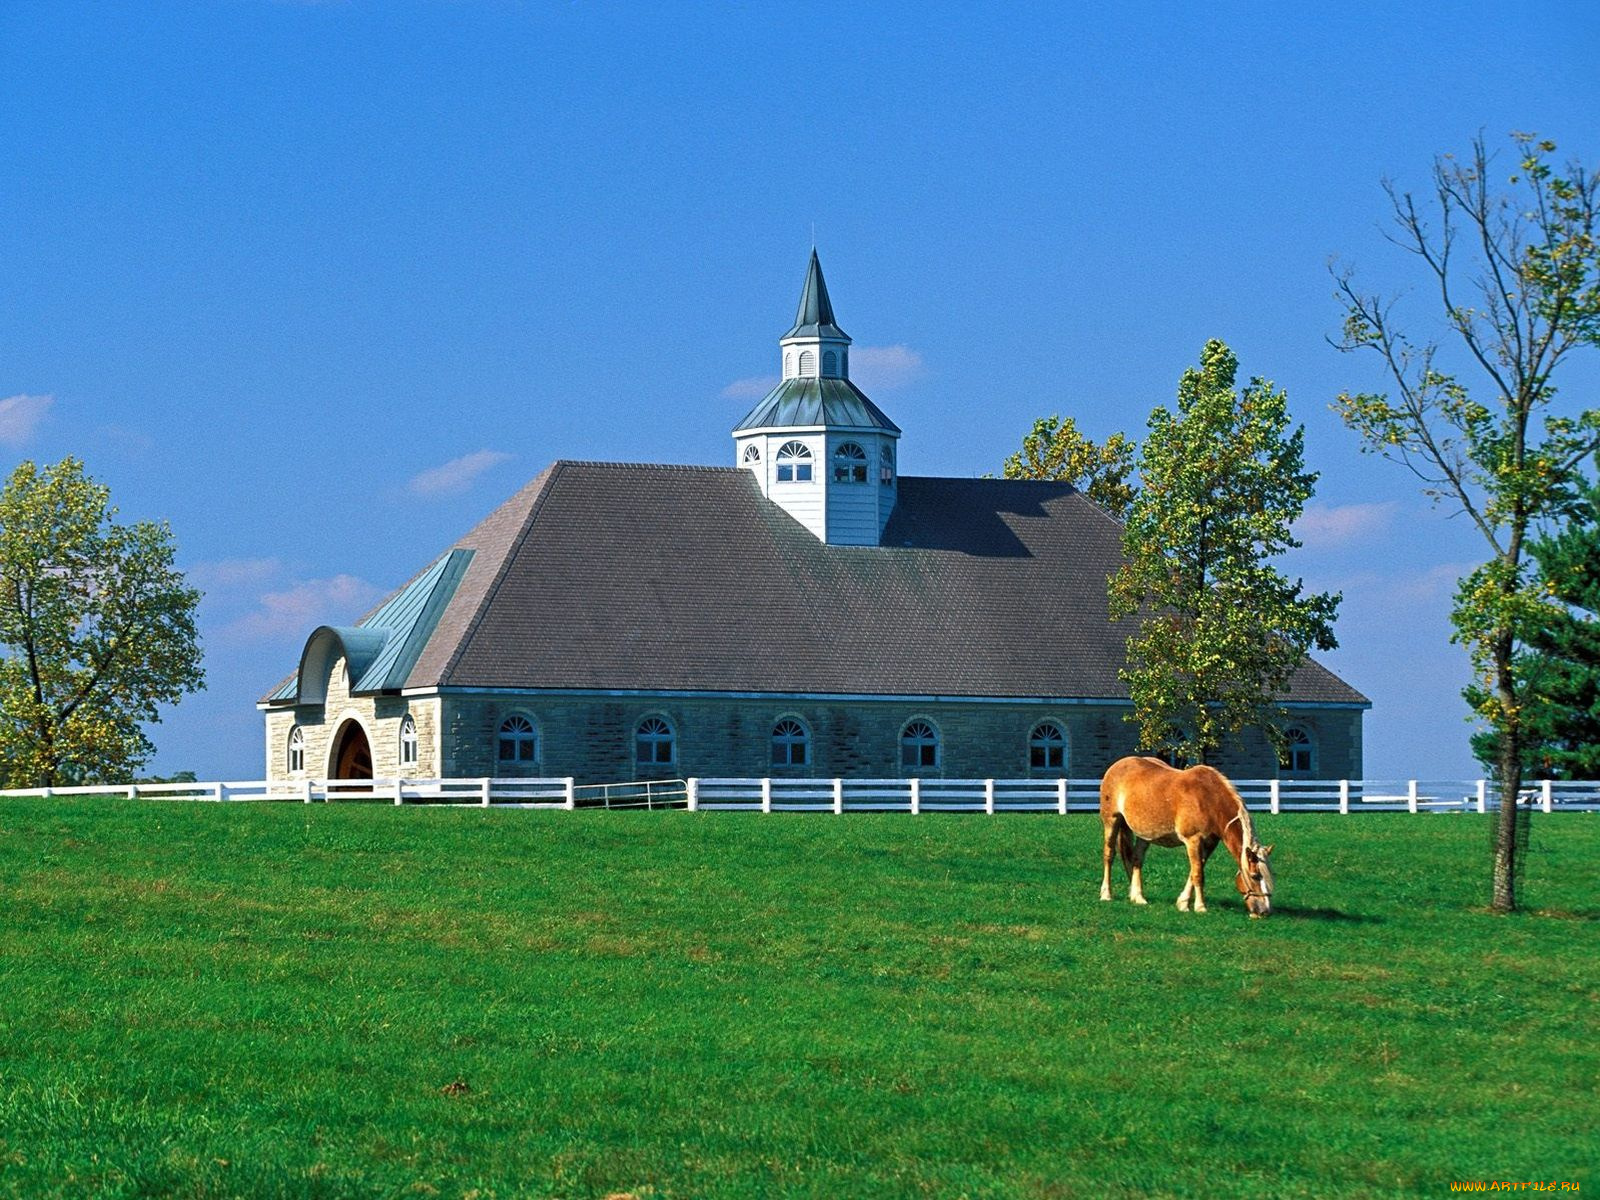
551, 473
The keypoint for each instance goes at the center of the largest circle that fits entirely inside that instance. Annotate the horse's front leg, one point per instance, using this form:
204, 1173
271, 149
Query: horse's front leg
1195, 887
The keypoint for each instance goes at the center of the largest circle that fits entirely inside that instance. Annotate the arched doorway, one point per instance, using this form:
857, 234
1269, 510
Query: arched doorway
352, 755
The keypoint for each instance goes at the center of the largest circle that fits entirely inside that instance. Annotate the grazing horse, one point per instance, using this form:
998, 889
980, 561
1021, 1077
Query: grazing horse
1142, 800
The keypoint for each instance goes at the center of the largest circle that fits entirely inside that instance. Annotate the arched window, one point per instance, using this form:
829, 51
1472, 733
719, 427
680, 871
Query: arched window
886, 466
1299, 757
849, 464
791, 744
1047, 747
794, 463
844, 363
752, 455
297, 749
788, 365
919, 745
830, 364
408, 742
654, 743
808, 363
519, 740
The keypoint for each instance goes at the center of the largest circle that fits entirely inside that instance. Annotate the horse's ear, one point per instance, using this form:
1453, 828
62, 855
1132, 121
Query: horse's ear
1266, 850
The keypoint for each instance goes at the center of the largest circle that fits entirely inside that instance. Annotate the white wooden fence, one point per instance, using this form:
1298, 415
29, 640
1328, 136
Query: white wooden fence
915, 796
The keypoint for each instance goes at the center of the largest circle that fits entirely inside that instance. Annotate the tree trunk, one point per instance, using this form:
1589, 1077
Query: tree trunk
1510, 771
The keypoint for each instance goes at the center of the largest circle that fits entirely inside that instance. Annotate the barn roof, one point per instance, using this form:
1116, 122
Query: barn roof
611, 576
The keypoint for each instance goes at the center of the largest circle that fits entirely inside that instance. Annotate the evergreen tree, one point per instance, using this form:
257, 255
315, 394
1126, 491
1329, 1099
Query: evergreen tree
1559, 668
1221, 630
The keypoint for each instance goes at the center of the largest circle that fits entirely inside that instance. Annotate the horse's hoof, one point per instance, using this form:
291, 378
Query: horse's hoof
1105, 895
1138, 900
1200, 908
1183, 906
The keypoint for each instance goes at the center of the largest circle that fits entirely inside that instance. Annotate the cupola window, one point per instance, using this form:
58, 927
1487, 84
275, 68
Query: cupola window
519, 739
830, 364
791, 744
849, 464
752, 455
886, 466
808, 363
788, 365
794, 463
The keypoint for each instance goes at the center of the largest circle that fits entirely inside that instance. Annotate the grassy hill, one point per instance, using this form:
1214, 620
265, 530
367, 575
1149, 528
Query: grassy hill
204, 1000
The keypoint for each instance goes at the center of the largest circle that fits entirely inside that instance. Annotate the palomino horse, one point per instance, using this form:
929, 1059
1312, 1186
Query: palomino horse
1142, 800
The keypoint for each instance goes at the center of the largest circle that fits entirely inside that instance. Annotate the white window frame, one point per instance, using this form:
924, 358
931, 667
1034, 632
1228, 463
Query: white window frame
789, 734
1044, 746
410, 747
296, 757
1306, 745
920, 743
524, 740
853, 467
655, 730
794, 463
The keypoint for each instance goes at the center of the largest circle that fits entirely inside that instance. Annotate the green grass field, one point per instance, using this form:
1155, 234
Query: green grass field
205, 1000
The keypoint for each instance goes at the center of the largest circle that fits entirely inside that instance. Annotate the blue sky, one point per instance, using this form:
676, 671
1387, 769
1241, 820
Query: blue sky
322, 283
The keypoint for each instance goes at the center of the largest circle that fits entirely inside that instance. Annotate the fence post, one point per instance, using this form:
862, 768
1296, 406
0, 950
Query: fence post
988, 796
216, 791
1483, 795
916, 796
766, 795
49, 793
572, 793
398, 785
305, 790
1061, 795
1411, 795
1546, 800
133, 791
838, 795
1276, 797
483, 792
1344, 797
691, 794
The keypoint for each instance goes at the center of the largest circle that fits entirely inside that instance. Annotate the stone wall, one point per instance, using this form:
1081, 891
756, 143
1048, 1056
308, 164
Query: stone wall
379, 716
591, 739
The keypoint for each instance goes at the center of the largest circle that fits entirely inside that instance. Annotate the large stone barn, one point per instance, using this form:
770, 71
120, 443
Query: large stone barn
806, 611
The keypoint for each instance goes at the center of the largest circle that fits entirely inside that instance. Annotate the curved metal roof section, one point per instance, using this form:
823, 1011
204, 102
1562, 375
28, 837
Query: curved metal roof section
809, 402
814, 316
380, 651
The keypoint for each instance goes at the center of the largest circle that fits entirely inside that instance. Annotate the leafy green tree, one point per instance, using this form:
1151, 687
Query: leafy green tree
1056, 450
1221, 630
1517, 268
1558, 669
97, 627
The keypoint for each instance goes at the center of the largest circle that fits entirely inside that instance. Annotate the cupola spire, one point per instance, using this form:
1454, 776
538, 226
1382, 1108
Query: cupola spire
814, 317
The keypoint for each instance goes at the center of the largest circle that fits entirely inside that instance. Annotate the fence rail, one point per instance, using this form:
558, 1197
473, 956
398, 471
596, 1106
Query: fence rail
769, 795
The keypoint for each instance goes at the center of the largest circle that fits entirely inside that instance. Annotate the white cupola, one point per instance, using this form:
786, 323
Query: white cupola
818, 447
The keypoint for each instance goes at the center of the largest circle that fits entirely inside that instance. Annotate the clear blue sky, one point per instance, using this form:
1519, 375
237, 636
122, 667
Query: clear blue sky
269, 266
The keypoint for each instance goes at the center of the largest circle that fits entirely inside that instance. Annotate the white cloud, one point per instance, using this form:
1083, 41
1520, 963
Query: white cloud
298, 609
226, 573
886, 367
20, 416
1324, 525
752, 388
457, 475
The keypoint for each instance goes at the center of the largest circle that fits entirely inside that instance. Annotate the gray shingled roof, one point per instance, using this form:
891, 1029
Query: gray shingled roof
803, 402
814, 317
620, 576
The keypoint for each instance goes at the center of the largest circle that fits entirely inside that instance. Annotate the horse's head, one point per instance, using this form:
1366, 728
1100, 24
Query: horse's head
1254, 880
